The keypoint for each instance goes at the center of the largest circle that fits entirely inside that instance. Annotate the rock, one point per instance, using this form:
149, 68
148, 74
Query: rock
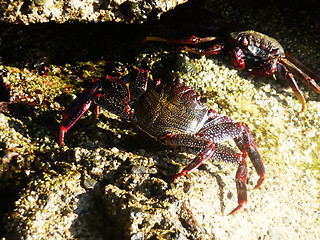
111, 182
146, 204
40, 11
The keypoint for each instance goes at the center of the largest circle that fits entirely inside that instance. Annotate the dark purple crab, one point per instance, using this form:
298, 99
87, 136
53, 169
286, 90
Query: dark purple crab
173, 114
261, 54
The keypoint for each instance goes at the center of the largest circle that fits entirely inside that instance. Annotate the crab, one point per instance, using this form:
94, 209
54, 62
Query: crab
259, 53
173, 114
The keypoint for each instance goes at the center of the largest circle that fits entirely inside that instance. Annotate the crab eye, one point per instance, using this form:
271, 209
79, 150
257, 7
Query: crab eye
244, 41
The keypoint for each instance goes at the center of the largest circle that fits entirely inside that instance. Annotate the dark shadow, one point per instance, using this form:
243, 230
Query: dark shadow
52, 43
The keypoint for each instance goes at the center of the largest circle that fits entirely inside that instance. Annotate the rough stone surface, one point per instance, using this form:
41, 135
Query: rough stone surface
112, 182
60, 11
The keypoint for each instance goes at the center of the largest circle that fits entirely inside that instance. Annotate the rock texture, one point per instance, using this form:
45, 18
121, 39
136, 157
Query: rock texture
112, 182
96, 184
60, 11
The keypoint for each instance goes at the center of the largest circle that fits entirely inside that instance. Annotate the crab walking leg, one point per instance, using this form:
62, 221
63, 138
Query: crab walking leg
138, 83
204, 52
82, 104
192, 40
76, 109
188, 40
293, 84
304, 72
222, 129
228, 154
116, 87
241, 184
188, 140
248, 147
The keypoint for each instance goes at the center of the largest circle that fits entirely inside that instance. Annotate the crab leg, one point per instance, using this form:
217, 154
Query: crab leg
204, 52
237, 58
304, 72
188, 140
114, 99
114, 105
76, 109
226, 153
293, 84
116, 87
222, 129
138, 83
217, 131
248, 147
241, 184
189, 40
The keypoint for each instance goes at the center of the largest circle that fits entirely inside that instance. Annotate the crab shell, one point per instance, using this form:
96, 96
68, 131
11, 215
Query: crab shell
257, 45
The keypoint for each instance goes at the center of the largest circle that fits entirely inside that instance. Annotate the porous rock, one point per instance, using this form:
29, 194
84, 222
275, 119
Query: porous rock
60, 11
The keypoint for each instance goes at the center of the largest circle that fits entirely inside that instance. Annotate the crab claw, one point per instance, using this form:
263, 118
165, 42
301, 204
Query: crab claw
237, 57
76, 109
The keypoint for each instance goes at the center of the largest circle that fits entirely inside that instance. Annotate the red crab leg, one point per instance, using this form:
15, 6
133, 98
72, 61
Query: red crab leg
115, 104
204, 52
189, 40
241, 184
219, 130
248, 147
237, 58
293, 84
76, 109
305, 73
187, 140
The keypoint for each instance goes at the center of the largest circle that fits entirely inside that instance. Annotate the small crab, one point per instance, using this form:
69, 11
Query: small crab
261, 54
176, 115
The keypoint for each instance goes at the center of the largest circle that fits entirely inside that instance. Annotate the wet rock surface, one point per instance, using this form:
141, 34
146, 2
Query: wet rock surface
112, 181
40, 11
